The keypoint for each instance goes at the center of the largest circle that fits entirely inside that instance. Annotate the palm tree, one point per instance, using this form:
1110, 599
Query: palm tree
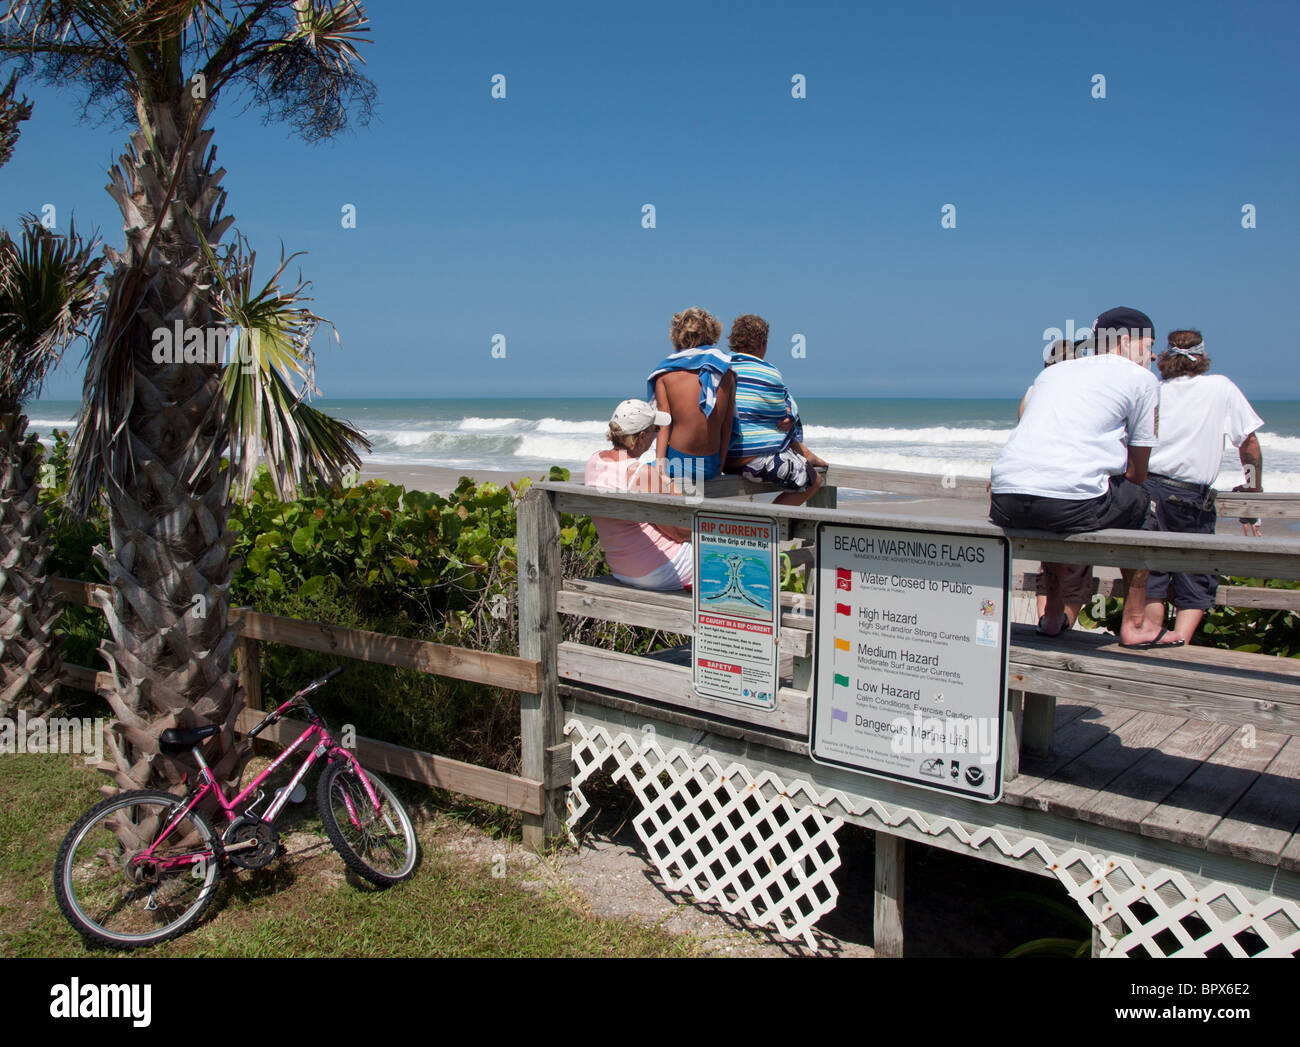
12, 113
154, 431
47, 296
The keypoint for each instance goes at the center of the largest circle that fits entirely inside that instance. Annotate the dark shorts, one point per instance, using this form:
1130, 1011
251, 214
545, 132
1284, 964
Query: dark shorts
1124, 505
788, 469
1184, 510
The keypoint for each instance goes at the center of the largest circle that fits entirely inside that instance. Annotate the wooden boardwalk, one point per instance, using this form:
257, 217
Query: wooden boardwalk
1206, 785
1212, 786
1160, 788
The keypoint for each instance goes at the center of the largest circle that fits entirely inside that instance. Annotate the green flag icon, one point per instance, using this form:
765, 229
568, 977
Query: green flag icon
843, 681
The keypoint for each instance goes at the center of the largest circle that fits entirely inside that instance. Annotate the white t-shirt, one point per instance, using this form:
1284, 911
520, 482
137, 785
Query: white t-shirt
1196, 413
1079, 422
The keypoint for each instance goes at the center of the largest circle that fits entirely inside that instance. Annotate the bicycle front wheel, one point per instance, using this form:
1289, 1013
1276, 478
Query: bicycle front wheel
123, 878
377, 844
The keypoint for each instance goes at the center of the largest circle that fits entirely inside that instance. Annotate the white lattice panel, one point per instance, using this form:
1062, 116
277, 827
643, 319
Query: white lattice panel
715, 832
755, 845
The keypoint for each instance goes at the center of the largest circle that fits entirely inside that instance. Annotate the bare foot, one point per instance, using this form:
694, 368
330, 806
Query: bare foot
1146, 633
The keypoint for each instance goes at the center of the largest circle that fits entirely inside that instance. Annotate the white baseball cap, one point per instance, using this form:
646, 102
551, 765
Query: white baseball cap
634, 416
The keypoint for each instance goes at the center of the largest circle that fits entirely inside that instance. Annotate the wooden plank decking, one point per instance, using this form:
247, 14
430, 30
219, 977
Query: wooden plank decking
1206, 785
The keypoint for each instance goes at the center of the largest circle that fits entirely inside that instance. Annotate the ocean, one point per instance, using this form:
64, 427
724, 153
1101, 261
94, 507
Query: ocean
917, 435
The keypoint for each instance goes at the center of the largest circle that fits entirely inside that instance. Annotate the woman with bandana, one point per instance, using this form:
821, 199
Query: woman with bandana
1198, 411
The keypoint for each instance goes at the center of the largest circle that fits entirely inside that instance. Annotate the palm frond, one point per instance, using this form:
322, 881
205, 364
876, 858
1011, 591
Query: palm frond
101, 449
267, 380
48, 292
296, 59
13, 111
331, 30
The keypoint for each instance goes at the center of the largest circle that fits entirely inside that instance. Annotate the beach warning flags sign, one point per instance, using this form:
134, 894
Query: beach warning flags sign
843, 608
843, 579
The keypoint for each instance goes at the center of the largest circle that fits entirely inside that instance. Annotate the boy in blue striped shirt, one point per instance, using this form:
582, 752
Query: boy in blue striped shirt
767, 436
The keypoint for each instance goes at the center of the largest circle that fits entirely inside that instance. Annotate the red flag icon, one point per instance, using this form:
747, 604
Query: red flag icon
843, 608
843, 578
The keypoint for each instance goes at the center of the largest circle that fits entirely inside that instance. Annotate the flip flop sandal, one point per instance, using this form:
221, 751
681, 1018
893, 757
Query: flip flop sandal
1152, 644
1065, 625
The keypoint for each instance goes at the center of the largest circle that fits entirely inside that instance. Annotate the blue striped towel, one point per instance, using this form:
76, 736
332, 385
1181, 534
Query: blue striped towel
710, 361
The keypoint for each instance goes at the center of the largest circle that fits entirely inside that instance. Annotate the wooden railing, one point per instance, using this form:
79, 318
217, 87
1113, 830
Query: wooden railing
526, 793
1225, 687
931, 485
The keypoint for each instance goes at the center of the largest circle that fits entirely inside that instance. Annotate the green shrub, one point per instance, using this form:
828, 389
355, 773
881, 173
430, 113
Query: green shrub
377, 556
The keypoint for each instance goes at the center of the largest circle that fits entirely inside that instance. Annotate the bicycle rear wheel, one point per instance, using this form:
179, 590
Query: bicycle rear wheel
112, 893
379, 845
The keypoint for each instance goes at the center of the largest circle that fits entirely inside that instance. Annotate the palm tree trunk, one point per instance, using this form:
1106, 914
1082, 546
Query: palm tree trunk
169, 566
30, 653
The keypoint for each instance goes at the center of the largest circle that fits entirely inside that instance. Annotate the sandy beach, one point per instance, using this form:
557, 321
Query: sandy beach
443, 481
436, 479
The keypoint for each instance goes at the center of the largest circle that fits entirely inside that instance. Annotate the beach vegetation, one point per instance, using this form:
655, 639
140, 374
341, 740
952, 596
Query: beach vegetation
380, 557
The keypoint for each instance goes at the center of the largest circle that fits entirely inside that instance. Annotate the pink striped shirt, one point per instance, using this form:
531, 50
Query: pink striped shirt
633, 550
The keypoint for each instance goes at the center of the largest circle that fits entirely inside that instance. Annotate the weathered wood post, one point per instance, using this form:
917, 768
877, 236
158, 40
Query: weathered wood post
248, 664
887, 910
540, 715
1039, 723
1014, 729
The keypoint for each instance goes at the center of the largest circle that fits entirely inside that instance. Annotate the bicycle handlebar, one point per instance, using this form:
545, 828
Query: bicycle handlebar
319, 682
324, 679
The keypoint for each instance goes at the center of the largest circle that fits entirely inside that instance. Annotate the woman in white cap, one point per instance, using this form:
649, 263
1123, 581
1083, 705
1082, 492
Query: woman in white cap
646, 555
1198, 411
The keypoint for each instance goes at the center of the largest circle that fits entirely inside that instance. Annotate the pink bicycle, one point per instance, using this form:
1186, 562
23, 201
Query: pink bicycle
143, 866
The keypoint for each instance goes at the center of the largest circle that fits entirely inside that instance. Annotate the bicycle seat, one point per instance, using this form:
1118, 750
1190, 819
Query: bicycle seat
180, 739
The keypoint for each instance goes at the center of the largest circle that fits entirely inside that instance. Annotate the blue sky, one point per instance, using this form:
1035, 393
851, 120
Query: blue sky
523, 216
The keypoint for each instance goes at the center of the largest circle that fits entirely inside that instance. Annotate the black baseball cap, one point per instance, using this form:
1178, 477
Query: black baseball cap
1123, 318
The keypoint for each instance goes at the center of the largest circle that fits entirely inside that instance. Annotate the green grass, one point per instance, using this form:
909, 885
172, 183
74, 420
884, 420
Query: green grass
304, 905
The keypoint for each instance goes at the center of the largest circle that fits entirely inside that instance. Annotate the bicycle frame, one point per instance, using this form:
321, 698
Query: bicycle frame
325, 745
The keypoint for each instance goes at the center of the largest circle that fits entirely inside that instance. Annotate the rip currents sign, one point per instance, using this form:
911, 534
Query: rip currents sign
737, 609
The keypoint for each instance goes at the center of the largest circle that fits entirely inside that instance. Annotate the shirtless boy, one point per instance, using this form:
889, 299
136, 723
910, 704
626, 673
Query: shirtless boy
696, 386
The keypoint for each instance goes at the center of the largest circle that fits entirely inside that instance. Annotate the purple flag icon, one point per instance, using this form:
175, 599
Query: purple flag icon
839, 714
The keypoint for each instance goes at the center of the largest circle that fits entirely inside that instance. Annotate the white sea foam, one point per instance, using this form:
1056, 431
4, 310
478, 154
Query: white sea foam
930, 435
1277, 442
558, 449
506, 424
563, 425
405, 437
868, 459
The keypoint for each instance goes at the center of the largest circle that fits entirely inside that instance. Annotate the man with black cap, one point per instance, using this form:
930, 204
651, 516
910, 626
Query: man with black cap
1076, 460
